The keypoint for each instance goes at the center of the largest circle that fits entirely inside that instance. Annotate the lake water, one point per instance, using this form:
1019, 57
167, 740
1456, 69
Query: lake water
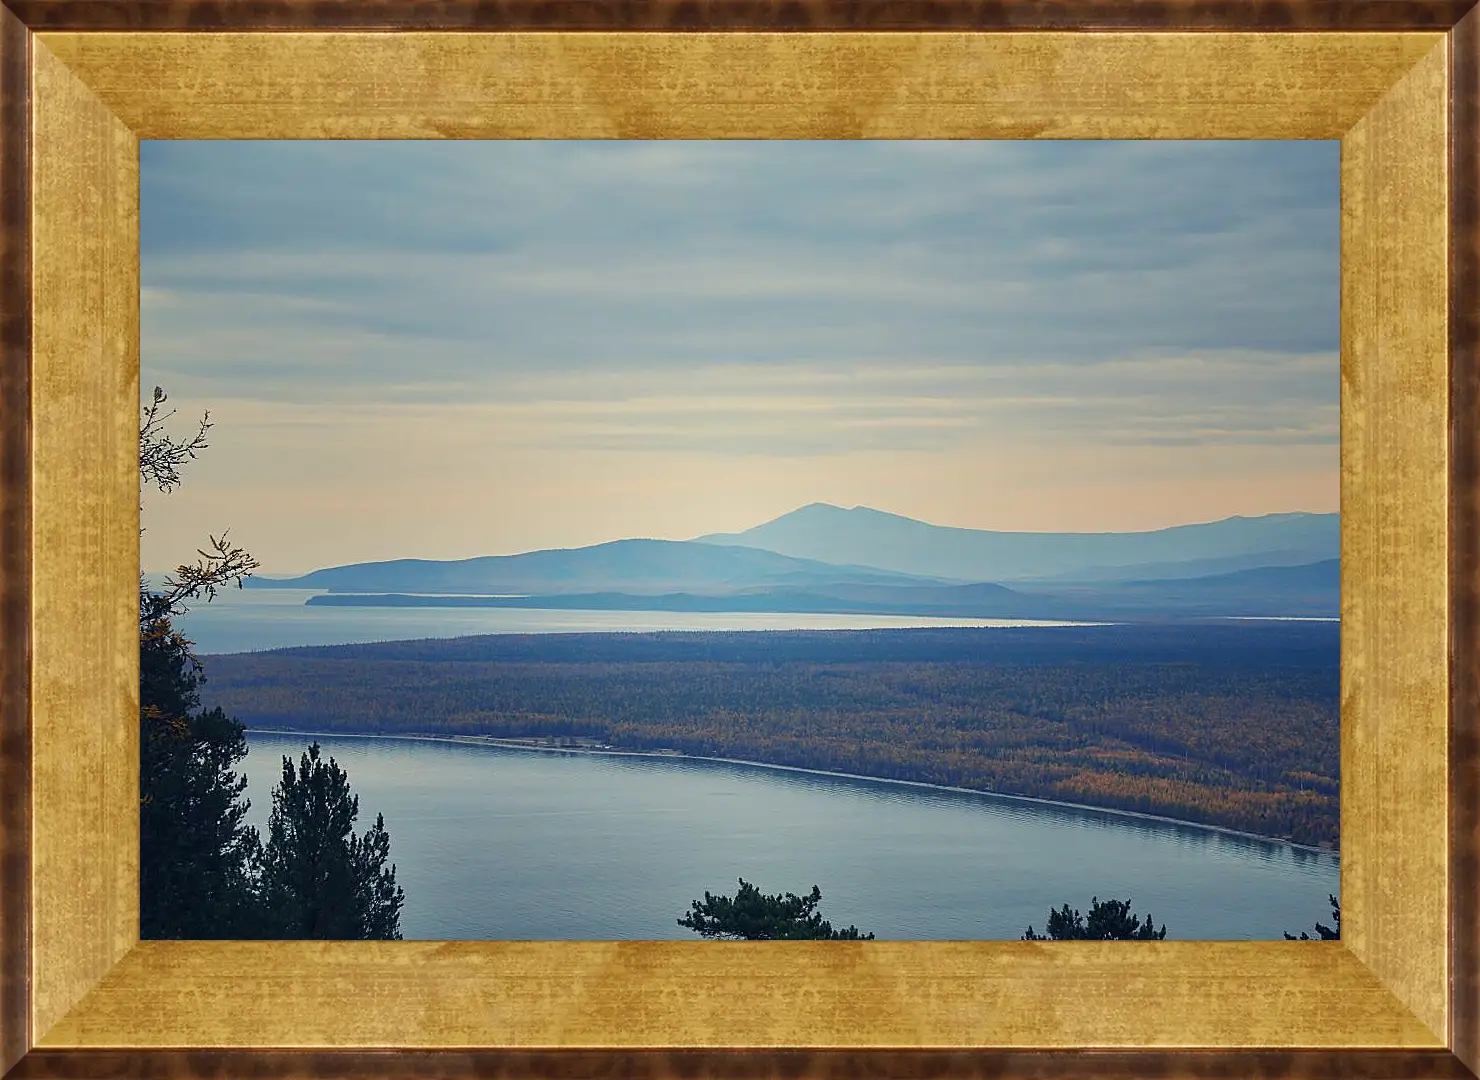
493, 843
496, 843
246, 620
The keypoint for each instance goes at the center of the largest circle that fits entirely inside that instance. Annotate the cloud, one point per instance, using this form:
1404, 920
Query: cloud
1215, 398
829, 320
449, 259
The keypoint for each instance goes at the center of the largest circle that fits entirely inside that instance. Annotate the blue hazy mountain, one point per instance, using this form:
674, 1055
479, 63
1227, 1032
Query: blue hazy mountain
869, 537
623, 566
1176, 570
1320, 576
867, 561
1312, 590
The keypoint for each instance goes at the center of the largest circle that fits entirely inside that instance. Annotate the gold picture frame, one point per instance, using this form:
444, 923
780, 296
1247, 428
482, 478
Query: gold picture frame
1397, 81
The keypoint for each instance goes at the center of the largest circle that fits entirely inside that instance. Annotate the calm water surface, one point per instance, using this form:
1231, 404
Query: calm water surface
246, 620
493, 843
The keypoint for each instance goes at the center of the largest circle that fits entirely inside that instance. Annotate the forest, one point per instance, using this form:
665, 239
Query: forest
1229, 724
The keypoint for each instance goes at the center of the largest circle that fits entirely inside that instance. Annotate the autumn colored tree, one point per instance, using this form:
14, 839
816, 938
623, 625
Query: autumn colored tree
750, 915
1224, 738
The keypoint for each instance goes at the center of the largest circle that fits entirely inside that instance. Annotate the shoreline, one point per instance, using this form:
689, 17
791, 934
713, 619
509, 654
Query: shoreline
490, 741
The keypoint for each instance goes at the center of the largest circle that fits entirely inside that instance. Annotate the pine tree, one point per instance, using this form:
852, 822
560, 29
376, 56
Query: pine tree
1109, 920
197, 855
320, 880
203, 871
1324, 932
752, 916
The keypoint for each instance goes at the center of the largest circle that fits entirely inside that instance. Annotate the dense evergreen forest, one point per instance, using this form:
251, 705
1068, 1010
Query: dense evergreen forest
203, 871
1231, 724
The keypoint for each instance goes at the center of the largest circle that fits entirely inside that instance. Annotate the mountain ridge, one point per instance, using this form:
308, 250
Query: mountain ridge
888, 541
639, 564
1311, 590
823, 554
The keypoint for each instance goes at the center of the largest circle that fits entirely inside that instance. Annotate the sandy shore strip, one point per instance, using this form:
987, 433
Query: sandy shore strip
513, 744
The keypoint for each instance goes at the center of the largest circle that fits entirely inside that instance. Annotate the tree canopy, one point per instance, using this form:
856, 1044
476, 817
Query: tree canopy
752, 916
203, 872
320, 880
1219, 733
1109, 920
197, 854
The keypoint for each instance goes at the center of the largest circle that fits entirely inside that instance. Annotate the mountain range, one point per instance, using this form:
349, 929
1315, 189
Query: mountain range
888, 541
823, 558
627, 566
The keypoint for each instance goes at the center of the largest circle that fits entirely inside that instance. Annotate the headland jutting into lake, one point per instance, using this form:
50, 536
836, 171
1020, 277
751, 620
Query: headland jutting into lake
1220, 723
564, 745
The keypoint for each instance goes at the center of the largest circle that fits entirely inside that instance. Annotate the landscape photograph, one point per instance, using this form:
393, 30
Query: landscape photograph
740, 540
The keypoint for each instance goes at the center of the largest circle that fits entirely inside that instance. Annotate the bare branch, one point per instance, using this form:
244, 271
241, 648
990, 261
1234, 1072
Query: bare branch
223, 563
161, 457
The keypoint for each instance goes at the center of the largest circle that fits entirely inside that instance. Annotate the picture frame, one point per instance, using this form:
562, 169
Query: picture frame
82, 81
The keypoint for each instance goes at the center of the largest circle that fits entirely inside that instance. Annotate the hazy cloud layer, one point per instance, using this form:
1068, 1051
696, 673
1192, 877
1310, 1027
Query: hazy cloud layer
808, 320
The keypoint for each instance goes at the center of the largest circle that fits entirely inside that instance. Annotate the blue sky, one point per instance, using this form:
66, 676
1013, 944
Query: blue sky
452, 349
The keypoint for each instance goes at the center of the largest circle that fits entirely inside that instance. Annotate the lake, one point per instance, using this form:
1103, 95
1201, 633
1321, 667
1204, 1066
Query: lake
248, 620
497, 843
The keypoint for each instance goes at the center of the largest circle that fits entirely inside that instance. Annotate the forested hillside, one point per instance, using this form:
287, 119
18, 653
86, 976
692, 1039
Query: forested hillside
1234, 725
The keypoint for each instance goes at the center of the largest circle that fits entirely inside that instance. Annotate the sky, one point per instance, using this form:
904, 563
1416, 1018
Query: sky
449, 349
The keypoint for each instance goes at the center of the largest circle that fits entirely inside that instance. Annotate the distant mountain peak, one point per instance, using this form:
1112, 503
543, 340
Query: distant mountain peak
867, 536
826, 509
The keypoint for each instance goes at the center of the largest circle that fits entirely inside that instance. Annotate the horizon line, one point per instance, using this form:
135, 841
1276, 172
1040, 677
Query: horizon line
699, 539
